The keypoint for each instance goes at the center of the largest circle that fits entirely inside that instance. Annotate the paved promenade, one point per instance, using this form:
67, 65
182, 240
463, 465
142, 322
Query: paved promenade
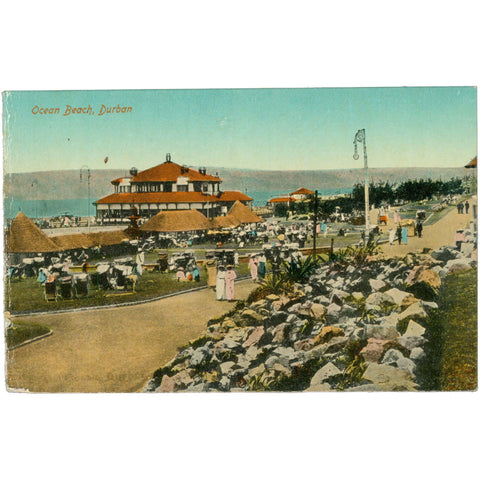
115, 349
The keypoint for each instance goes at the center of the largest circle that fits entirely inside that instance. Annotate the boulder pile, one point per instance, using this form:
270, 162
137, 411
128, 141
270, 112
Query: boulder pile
349, 328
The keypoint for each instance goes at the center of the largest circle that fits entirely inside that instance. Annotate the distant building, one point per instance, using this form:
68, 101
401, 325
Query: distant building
167, 186
302, 194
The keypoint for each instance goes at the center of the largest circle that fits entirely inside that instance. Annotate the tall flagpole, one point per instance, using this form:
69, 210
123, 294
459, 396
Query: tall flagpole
360, 137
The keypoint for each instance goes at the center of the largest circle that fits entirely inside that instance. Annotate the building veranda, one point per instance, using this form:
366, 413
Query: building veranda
167, 187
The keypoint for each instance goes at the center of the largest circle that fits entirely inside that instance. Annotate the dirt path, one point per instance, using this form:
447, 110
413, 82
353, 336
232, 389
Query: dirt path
115, 349
434, 236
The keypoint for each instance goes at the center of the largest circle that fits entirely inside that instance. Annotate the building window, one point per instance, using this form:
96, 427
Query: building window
182, 188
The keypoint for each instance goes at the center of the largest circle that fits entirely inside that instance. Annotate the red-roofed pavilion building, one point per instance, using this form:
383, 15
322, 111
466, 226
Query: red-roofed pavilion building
167, 186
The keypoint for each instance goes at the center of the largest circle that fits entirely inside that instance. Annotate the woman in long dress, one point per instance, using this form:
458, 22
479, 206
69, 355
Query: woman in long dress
220, 285
404, 235
253, 265
262, 267
230, 277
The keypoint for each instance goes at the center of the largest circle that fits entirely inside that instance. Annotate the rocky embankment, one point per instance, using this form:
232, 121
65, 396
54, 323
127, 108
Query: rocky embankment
349, 328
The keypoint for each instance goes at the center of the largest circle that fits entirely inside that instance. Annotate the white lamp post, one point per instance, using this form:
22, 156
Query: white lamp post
87, 168
360, 138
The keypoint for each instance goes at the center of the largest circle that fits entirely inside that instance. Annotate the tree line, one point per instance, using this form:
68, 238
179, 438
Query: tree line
379, 193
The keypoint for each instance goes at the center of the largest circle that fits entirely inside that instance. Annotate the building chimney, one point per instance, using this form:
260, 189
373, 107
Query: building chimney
169, 158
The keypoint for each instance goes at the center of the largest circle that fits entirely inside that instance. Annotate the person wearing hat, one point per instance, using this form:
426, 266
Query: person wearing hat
221, 285
230, 277
211, 274
253, 266
180, 275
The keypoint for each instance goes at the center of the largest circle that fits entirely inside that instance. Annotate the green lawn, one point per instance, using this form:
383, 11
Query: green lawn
27, 295
20, 332
452, 349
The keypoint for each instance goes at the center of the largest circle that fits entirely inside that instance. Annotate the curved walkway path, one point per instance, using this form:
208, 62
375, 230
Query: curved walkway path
434, 236
115, 349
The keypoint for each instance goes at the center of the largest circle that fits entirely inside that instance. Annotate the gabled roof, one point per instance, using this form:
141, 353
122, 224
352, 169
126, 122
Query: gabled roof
172, 197
169, 172
281, 199
177, 221
243, 214
233, 196
302, 191
23, 236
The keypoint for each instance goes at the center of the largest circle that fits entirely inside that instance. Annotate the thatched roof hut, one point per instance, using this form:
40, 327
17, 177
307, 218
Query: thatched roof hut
243, 214
23, 236
111, 237
227, 221
177, 221
72, 241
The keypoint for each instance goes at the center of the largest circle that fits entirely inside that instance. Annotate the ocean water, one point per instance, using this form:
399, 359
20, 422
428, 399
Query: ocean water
79, 206
47, 208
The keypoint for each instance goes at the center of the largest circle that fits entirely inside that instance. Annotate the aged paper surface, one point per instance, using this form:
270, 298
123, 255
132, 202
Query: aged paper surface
241, 240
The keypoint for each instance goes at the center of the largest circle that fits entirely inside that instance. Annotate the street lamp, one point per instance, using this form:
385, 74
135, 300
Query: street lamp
87, 169
360, 138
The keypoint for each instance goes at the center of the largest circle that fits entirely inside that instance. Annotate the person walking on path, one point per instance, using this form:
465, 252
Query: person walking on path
253, 266
460, 207
262, 267
467, 206
404, 235
399, 234
419, 229
211, 274
230, 277
391, 236
220, 286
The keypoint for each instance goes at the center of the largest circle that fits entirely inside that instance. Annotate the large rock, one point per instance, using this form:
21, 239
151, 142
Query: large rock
254, 337
375, 348
318, 311
226, 367
459, 265
410, 342
201, 355
417, 354
325, 373
389, 379
413, 312
381, 332
251, 318
327, 333
395, 358
305, 344
445, 253
414, 329
377, 299
280, 333
275, 319
333, 311
377, 284
335, 344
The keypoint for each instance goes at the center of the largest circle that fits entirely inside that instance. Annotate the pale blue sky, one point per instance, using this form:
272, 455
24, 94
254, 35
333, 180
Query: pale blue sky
288, 129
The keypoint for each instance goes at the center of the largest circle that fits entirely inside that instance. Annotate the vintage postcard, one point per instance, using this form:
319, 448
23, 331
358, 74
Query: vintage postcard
250, 240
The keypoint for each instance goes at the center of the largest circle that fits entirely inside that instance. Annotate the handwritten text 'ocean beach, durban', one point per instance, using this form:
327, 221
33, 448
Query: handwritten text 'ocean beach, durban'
70, 110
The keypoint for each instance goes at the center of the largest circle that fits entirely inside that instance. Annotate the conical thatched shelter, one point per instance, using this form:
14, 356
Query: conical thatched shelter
177, 221
111, 237
72, 241
227, 221
23, 236
243, 214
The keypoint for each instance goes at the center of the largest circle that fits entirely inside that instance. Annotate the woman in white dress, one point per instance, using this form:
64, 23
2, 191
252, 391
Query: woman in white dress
220, 286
